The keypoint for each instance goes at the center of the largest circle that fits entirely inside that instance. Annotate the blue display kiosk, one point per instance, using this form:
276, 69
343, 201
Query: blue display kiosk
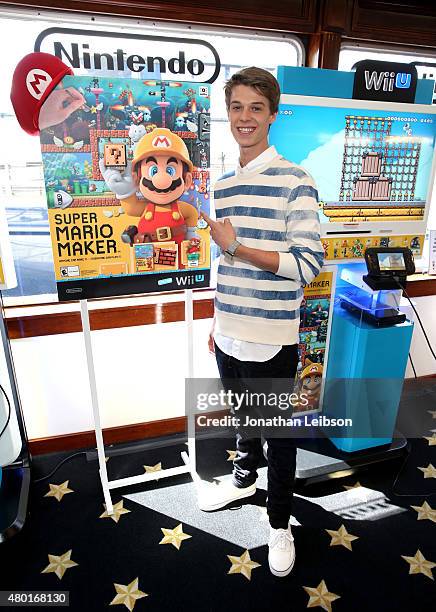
365, 369
364, 379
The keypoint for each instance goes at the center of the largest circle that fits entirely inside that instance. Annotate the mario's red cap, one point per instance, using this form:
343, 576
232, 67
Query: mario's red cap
35, 77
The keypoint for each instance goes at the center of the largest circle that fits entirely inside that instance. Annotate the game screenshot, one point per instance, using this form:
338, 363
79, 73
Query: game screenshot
369, 165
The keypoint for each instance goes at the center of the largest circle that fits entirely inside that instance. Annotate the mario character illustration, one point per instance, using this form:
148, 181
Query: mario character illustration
310, 383
162, 171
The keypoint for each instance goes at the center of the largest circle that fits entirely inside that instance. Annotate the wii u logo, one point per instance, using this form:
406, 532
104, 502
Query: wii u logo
403, 80
189, 280
386, 81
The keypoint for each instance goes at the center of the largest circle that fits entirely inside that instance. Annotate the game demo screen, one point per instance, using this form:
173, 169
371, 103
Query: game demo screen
391, 261
368, 165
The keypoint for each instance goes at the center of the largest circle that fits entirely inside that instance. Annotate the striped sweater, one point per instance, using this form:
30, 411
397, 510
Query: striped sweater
273, 208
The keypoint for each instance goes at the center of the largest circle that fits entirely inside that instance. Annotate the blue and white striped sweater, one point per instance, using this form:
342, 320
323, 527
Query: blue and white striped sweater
273, 208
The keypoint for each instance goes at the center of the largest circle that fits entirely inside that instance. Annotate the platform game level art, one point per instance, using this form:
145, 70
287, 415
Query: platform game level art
315, 314
369, 165
102, 242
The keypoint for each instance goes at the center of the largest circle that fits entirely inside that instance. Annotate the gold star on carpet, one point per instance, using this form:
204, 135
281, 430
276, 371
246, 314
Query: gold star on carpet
153, 468
58, 491
127, 594
420, 565
232, 455
93, 109
429, 471
59, 565
321, 597
341, 537
242, 565
433, 413
425, 512
174, 536
354, 486
118, 511
431, 440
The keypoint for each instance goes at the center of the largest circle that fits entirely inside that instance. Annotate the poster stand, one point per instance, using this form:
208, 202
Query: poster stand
189, 458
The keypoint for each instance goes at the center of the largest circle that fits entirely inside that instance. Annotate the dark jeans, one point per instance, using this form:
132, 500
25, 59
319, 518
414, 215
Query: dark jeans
281, 451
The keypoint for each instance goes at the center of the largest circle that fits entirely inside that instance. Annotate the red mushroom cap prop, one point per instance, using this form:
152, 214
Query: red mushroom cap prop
35, 77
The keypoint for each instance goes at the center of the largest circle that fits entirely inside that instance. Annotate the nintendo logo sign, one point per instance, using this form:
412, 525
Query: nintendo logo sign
186, 59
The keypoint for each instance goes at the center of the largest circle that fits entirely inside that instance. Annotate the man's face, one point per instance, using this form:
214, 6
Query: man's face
162, 180
250, 117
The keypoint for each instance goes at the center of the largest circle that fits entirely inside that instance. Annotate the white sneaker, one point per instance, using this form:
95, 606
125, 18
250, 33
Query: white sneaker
213, 497
281, 556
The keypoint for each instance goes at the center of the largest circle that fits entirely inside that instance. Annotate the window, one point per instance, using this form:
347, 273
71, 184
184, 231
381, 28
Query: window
21, 178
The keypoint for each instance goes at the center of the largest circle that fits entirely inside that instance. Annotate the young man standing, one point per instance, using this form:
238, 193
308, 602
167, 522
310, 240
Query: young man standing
268, 230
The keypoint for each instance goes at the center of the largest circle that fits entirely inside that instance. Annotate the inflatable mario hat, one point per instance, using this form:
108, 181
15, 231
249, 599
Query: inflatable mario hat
35, 77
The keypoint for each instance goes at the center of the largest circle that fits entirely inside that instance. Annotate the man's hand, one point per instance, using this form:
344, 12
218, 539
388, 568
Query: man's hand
222, 232
120, 183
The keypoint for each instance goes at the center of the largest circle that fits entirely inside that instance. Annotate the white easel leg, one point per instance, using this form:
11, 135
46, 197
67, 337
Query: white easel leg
190, 457
95, 409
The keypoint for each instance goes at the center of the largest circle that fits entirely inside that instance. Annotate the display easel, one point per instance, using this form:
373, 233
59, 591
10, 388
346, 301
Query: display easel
189, 458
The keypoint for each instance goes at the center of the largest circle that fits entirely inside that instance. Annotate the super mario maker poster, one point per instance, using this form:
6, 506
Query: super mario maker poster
126, 178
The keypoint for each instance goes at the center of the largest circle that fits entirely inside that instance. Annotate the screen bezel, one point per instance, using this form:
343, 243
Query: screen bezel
373, 264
